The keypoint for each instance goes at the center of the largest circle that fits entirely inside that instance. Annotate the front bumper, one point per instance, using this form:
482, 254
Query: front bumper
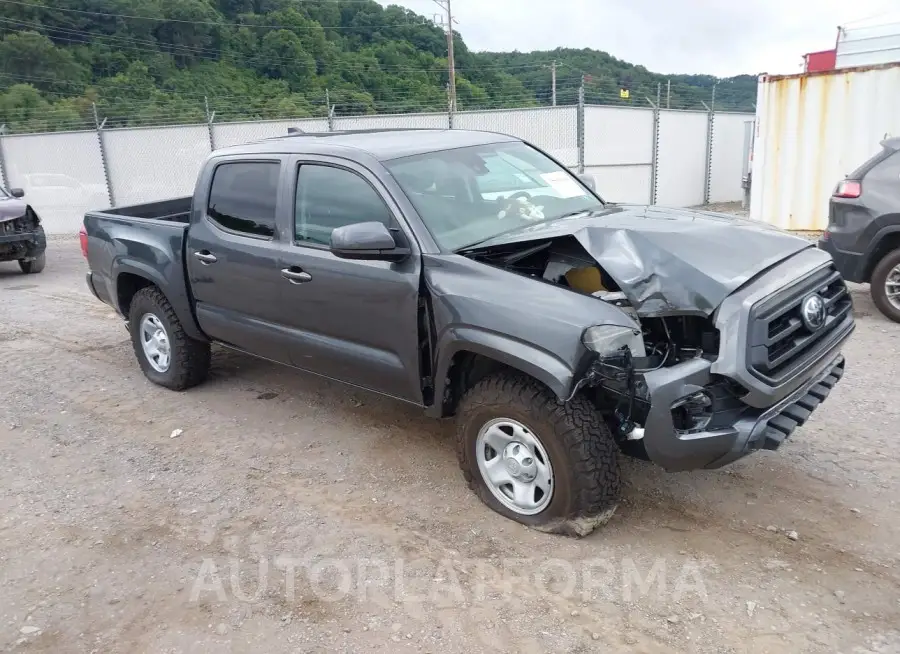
25, 245
755, 429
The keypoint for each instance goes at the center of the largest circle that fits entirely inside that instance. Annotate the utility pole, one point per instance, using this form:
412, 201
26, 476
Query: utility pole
668, 93
552, 68
451, 60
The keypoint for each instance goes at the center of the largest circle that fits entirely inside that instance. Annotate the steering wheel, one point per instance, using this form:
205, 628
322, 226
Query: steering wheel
519, 194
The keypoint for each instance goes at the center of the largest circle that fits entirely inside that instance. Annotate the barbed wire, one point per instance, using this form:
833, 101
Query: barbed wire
234, 109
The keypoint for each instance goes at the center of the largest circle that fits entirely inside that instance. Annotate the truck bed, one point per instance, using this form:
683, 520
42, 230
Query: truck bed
144, 241
176, 210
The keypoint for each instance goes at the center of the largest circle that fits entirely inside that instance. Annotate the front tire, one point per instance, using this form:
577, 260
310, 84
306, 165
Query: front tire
545, 464
885, 285
33, 266
166, 354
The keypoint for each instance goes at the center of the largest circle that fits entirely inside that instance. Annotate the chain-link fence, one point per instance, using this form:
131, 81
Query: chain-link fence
636, 155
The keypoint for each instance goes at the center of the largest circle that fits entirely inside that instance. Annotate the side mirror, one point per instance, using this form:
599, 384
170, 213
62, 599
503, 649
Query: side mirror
17, 192
588, 180
370, 241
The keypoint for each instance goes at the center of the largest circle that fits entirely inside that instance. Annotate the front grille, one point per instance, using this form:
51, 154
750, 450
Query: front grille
780, 342
21, 225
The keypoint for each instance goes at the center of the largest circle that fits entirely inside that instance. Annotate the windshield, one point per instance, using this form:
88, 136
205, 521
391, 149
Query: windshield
469, 195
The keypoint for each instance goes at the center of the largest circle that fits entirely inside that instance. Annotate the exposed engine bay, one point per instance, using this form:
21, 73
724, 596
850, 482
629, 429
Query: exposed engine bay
666, 341
564, 262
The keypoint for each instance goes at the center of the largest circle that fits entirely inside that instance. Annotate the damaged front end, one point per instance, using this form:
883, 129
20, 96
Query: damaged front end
22, 237
674, 375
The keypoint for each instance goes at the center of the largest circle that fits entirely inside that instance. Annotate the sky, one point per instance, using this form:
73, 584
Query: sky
715, 37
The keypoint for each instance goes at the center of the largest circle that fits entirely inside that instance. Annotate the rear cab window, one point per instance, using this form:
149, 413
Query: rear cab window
242, 197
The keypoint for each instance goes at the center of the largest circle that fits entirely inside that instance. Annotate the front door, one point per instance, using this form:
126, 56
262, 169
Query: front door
355, 321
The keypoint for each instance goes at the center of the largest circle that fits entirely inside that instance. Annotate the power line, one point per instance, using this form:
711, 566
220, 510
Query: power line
160, 19
219, 55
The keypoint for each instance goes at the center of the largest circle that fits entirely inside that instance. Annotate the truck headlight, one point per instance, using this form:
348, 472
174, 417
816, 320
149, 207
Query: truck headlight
607, 339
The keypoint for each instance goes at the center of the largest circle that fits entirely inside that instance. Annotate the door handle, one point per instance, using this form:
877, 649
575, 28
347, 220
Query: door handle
295, 276
205, 257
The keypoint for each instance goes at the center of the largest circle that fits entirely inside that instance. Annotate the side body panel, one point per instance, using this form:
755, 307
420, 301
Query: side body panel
533, 326
151, 249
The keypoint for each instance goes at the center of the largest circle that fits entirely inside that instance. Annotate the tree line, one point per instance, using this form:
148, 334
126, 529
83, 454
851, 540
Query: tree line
144, 62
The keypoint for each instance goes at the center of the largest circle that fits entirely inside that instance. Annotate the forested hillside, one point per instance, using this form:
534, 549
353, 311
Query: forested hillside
161, 61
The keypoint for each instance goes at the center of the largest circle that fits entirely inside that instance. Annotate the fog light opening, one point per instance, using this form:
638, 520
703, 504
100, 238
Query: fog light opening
693, 413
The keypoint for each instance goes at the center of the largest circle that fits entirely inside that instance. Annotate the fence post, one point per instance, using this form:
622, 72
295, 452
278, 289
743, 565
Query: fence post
210, 117
654, 152
329, 111
450, 109
103, 159
579, 127
710, 128
4, 176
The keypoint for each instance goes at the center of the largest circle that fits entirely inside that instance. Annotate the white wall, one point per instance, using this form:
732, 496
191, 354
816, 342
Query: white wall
227, 134
727, 157
681, 160
154, 163
618, 152
553, 129
61, 174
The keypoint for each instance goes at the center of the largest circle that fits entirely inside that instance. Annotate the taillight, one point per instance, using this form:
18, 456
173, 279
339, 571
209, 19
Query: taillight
82, 236
848, 188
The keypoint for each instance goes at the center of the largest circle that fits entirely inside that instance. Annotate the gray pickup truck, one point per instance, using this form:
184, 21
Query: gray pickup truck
473, 275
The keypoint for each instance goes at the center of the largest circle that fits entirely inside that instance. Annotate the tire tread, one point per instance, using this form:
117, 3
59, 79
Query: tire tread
877, 289
190, 358
593, 452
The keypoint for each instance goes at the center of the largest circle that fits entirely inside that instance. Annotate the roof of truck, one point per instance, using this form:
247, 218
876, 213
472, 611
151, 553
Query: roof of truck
383, 144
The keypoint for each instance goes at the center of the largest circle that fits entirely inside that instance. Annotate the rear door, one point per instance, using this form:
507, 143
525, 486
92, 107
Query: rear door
355, 321
233, 257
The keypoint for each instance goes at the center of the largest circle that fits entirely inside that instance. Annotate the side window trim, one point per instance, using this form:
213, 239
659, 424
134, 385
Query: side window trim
394, 225
233, 232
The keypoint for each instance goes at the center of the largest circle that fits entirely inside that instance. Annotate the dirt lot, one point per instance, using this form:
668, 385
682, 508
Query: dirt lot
295, 515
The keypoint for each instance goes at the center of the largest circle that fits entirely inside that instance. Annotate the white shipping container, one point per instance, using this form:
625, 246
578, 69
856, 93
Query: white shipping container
868, 46
811, 131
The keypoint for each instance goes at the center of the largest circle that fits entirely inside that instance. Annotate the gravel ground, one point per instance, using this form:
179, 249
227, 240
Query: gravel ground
289, 514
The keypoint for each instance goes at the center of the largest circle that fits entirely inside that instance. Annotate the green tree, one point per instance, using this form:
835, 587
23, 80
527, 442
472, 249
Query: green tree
282, 56
32, 57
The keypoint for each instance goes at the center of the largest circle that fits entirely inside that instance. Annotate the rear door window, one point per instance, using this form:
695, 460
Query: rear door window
242, 197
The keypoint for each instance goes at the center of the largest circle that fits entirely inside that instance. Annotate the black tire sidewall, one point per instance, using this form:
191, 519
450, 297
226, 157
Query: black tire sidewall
877, 285
561, 503
34, 266
141, 305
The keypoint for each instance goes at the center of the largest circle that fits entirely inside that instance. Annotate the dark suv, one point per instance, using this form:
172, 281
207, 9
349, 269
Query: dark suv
863, 235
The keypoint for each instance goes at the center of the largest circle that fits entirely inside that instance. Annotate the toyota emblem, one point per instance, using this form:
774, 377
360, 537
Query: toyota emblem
813, 312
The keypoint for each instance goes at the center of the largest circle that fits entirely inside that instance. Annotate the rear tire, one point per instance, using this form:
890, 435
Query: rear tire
36, 265
887, 273
583, 457
186, 361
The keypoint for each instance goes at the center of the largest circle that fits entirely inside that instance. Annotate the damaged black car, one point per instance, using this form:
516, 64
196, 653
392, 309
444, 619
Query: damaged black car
22, 238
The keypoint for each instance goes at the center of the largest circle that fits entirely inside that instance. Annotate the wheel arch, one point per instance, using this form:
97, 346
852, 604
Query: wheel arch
885, 241
472, 355
130, 276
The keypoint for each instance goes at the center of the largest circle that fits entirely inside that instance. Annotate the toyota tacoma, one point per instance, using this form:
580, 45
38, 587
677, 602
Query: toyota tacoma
473, 275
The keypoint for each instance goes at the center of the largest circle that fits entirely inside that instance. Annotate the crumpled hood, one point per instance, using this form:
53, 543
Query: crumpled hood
11, 208
670, 261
